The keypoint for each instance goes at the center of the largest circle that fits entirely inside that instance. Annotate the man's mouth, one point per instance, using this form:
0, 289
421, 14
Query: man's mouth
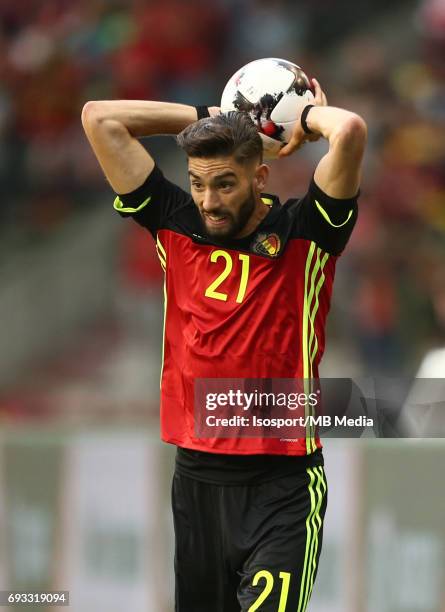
216, 219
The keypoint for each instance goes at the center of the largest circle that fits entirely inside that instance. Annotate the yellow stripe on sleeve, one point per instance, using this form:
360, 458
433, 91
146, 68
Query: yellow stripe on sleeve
326, 216
120, 207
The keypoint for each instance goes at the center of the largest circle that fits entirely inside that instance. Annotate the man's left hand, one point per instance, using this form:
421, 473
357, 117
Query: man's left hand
299, 136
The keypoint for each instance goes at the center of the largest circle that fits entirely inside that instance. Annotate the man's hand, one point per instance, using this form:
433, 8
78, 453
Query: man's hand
299, 136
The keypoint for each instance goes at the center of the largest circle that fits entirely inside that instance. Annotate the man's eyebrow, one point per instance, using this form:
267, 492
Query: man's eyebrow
218, 176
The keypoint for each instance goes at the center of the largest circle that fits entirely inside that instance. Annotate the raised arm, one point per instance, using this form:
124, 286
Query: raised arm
338, 173
113, 128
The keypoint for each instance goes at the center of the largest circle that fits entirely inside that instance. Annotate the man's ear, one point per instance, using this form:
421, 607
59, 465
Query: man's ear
261, 176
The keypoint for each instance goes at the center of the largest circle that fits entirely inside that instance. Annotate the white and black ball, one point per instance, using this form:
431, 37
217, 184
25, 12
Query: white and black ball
273, 92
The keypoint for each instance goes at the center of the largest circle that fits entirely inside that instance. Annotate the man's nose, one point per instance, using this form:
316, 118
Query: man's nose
210, 202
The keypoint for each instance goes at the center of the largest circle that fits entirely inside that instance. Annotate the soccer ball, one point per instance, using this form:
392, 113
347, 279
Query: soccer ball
274, 92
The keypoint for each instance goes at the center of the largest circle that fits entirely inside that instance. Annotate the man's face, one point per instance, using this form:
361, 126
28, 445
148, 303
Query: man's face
225, 193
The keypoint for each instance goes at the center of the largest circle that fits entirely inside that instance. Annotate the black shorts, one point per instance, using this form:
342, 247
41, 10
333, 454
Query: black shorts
248, 547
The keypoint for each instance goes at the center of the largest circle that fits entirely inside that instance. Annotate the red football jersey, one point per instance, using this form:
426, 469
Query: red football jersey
251, 308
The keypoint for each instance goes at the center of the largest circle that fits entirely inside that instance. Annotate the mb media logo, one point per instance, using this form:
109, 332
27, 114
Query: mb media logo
267, 244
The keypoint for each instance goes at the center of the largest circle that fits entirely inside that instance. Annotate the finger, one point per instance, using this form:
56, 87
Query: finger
288, 149
320, 96
292, 145
318, 91
285, 151
313, 86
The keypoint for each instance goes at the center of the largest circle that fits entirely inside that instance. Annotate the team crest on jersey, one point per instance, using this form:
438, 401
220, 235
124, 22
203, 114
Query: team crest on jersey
267, 244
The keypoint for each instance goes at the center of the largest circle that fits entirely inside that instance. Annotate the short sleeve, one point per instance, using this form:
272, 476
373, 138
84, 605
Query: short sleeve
325, 220
151, 204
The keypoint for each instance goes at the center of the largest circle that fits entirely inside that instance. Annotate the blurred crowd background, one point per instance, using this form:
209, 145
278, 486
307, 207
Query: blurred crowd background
81, 290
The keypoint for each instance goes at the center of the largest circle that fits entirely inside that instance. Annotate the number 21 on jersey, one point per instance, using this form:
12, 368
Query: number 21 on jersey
212, 289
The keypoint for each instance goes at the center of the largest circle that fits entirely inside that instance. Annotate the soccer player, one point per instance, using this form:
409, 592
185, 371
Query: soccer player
248, 283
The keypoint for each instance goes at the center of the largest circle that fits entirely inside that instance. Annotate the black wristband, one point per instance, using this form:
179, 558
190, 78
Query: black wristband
202, 112
304, 114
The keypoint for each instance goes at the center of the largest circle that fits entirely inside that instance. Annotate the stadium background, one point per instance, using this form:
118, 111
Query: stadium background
84, 481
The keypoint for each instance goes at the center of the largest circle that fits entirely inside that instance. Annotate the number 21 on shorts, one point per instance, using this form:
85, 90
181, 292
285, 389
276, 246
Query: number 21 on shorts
211, 291
268, 586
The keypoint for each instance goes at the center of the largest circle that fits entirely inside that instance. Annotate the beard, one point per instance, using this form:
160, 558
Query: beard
234, 224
